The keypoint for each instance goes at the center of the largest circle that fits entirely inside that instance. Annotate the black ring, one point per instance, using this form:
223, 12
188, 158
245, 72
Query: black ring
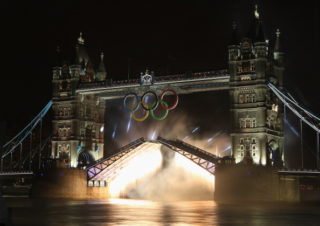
156, 102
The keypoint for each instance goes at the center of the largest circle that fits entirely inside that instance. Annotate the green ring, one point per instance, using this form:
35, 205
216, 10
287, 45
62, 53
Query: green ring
165, 113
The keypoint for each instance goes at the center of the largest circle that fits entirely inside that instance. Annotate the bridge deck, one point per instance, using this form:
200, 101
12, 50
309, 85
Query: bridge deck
183, 84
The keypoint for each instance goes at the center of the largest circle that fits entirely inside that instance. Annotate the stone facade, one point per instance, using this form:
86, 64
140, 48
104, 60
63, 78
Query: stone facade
78, 120
256, 114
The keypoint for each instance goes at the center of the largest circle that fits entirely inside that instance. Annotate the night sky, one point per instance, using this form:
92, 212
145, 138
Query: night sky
170, 37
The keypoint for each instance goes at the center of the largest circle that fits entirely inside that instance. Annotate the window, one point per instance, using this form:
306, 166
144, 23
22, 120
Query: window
253, 98
82, 132
253, 140
241, 99
241, 147
248, 122
241, 141
247, 98
242, 123
254, 123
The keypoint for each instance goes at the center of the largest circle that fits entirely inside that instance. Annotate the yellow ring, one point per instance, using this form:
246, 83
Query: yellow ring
142, 118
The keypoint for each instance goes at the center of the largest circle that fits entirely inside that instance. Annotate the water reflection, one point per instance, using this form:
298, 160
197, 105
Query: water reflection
139, 212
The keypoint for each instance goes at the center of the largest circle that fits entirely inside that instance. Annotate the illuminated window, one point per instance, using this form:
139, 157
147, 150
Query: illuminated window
247, 98
248, 123
254, 123
241, 99
253, 98
82, 132
242, 123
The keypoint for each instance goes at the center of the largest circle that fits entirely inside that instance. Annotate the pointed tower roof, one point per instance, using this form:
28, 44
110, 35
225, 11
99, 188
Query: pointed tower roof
58, 58
256, 31
82, 56
235, 36
101, 67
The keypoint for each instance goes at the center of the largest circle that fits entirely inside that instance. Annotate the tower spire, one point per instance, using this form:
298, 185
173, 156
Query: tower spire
101, 72
234, 38
80, 39
277, 46
256, 12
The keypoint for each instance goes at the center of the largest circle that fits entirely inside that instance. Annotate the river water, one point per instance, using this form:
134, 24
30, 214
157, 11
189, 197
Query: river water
25, 211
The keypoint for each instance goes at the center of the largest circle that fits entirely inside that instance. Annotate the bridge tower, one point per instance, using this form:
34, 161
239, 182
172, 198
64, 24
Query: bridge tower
257, 117
78, 121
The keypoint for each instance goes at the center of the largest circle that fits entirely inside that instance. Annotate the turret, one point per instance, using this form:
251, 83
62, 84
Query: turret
233, 51
101, 72
278, 52
278, 58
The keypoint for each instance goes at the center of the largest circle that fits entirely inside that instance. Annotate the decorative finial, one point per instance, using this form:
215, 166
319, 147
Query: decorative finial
278, 33
80, 39
256, 12
102, 56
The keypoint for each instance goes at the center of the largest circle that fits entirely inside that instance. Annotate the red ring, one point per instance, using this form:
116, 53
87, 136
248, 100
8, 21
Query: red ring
175, 102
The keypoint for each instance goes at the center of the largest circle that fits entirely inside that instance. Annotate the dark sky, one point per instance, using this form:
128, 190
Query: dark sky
194, 34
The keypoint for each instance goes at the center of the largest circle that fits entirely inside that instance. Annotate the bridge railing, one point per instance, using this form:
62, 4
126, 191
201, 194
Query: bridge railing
176, 77
16, 143
192, 149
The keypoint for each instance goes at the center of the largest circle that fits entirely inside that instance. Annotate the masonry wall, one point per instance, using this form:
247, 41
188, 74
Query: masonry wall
65, 183
253, 183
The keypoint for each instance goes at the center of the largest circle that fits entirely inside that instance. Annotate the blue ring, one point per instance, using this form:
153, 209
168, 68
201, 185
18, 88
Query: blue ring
137, 102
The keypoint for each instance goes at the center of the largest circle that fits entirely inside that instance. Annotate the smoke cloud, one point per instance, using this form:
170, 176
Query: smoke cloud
173, 181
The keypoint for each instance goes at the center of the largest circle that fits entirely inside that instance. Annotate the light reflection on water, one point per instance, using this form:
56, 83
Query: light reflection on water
139, 212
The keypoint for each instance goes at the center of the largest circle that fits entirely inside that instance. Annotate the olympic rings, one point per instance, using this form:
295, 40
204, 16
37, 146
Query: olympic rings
175, 103
165, 113
143, 117
150, 108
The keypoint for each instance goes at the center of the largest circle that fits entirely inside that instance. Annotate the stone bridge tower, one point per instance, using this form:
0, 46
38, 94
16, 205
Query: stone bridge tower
257, 115
78, 121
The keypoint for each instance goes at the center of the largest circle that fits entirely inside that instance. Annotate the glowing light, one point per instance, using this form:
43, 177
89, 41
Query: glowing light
194, 169
129, 124
102, 128
186, 137
292, 128
114, 132
195, 129
154, 135
147, 161
215, 136
227, 148
256, 13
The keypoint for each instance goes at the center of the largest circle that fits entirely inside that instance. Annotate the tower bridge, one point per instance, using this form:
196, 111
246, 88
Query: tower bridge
258, 106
